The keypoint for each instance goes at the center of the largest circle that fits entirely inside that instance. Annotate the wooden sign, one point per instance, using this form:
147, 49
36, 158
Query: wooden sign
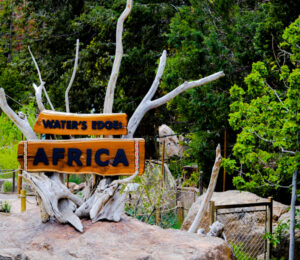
61, 123
81, 156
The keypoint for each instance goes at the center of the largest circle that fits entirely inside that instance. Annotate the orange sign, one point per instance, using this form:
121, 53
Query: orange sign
81, 156
61, 123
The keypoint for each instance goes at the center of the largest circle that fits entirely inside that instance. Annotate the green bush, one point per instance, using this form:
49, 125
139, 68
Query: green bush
76, 178
5, 207
240, 254
7, 186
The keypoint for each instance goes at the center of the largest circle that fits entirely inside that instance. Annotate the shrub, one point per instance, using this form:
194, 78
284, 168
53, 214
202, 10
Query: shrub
4, 207
7, 186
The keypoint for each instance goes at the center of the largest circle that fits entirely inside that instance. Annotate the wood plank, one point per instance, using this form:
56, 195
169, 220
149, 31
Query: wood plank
83, 156
61, 123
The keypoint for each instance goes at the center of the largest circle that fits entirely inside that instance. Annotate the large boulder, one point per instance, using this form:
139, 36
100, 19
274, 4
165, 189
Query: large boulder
23, 236
231, 197
248, 228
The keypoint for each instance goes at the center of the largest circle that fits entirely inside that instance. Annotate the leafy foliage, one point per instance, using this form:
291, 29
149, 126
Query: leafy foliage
282, 229
7, 186
153, 196
10, 135
4, 206
208, 36
267, 114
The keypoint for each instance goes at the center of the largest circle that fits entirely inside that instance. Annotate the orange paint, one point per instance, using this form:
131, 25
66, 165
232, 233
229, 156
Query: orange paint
61, 123
83, 156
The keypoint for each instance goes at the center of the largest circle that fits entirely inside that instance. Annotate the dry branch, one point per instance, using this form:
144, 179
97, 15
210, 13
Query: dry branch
38, 92
22, 124
109, 96
38, 96
147, 104
211, 187
72, 77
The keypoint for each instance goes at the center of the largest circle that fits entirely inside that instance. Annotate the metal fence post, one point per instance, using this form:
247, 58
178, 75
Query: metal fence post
211, 212
269, 225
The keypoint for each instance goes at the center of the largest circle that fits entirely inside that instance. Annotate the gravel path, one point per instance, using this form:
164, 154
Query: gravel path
4, 196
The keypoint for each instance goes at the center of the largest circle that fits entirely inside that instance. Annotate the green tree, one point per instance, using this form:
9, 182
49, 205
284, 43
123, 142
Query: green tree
208, 36
267, 115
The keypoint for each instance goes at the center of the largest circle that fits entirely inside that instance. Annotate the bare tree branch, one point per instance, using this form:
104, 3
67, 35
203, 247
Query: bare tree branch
109, 97
146, 104
286, 151
156, 82
36, 65
48, 99
126, 180
22, 124
38, 95
276, 94
185, 86
72, 78
264, 139
42, 85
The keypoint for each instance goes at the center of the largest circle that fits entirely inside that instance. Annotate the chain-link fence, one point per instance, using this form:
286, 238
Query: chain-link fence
245, 226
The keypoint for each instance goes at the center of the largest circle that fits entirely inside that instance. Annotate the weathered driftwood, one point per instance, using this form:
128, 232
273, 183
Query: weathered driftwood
56, 198
101, 200
211, 187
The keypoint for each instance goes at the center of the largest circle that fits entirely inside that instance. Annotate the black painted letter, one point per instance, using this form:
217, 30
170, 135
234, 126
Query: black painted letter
40, 157
98, 155
120, 158
88, 157
58, 153
74, 155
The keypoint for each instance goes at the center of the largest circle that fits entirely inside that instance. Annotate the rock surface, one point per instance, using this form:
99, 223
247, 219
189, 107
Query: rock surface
23, 236
231, 197
249, 228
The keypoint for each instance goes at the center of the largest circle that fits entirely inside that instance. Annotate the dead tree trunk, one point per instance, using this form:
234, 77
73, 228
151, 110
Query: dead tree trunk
209, 192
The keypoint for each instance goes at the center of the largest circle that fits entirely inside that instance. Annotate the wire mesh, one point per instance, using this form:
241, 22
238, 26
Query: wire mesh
244, 230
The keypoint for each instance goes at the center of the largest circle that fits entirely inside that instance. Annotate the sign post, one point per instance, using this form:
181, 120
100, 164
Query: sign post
83, 156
